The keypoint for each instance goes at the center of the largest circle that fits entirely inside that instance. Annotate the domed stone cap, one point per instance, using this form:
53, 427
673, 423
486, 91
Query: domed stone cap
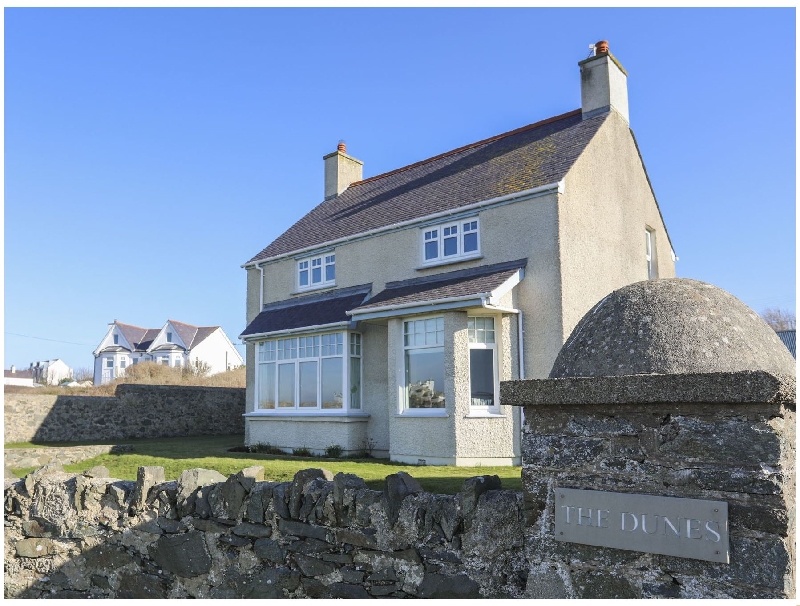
671, 326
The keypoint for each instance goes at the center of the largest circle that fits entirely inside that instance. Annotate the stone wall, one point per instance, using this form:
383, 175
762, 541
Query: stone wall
17, 458
206, 536
136, 411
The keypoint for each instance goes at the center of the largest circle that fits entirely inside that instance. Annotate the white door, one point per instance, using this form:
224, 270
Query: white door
108, 371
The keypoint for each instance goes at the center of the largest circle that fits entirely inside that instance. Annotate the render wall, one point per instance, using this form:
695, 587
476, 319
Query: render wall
218, 352
606, 207
136, 411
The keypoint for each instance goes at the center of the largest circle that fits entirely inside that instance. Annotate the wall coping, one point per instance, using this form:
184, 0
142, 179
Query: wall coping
743, 387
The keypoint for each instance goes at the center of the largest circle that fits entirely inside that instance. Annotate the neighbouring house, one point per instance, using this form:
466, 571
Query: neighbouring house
386, 317
175, 344
43, 372
13, 376
789, 338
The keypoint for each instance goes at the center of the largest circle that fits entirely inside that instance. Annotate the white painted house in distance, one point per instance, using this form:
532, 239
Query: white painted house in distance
387, 316
175, 344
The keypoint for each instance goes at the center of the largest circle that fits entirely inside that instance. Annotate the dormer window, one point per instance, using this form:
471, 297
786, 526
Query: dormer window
316, 272
450, 241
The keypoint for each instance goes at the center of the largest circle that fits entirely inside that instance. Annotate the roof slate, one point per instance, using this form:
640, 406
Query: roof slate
142, 338
462, 283
311, 310
532, 156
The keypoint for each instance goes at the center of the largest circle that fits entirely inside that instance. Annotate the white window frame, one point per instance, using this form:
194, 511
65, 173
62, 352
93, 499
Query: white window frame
404, 408
494, 408
650, 253
436, 233
296, 360
309, 264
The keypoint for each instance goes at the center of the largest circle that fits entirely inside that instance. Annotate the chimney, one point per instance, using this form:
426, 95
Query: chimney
13, 369
340, 171
604, 83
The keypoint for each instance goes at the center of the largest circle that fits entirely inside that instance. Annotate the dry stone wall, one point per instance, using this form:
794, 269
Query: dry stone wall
136, 411
207, 536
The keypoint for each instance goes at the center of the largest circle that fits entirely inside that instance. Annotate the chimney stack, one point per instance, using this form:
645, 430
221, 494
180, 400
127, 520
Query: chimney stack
13, 369
340, 171
604, 83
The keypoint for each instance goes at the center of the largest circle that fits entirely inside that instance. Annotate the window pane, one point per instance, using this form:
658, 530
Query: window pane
304, 278
308, 384
425, 377
332, 383
286, 386
330, 273
470, 242
266, 386
450, 246
355, 383
431, 250
481, 376
316, 275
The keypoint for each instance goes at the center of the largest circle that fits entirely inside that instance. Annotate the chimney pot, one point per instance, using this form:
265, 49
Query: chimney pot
601, 47
342, 147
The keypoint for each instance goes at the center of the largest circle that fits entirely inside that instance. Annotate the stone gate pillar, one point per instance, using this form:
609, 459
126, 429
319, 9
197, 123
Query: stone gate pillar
658, 458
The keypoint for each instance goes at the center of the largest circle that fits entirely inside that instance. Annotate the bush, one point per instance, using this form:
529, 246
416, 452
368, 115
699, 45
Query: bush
334, 451
302, 452
264, 448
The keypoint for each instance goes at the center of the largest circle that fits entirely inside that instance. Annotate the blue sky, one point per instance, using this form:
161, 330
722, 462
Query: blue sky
150, 152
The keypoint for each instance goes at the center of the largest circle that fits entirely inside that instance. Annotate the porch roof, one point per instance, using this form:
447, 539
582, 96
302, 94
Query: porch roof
455, 289
311, 311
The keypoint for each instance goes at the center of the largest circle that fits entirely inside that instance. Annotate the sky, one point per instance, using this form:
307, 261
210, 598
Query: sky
149, 153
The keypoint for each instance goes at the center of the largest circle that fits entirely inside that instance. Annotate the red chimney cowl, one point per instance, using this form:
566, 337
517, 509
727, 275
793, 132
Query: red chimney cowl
341, 147
601, 47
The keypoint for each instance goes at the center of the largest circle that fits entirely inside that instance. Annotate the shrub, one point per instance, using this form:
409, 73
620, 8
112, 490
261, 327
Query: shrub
334, 451
302, 452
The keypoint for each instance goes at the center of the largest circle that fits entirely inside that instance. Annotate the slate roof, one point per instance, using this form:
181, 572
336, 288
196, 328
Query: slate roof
532, 156
464, 282
142, 338
19, 374
312, 310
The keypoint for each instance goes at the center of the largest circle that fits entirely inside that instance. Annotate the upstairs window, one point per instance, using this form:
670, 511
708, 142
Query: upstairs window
650, 253
451, 241
316, 272
169, 337
116, 339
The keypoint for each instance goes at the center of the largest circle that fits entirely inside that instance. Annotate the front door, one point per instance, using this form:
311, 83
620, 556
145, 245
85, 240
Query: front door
108, 371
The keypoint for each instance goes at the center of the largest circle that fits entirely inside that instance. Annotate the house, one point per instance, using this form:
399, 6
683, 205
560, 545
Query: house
387, 316
43, 372
13, 376
175, 344
789, 338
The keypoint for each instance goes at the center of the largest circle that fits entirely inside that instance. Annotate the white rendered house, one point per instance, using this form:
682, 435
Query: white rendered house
176, 344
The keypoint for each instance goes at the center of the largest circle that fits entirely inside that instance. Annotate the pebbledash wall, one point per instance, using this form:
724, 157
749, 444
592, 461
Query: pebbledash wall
136, 411
646, 400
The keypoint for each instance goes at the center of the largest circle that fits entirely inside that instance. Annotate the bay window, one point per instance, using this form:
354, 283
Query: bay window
423, 348
307, 373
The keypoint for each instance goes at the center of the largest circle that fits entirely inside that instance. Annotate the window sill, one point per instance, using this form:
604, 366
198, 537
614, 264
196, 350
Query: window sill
448, 262
303, 416
409, 414
485, 414
303, 291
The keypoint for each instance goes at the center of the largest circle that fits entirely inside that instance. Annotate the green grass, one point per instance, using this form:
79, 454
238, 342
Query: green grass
177, 454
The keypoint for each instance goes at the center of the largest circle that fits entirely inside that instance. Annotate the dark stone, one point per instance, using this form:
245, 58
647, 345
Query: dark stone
600, 584
299, 529
441, 586
308, 546
255, 531
280, 500
365, 500
560, 451
226, 499
471, 491
397, 487
442, 555
347, 592
386, 574
100, 581
669, 588
141, 586
234, 541
146, 478
190, 485
272, 583
314, 567
267, 549
343, 482
298, 487
383, 590
107, 557
170, 526
209, 526
351, 575
258, 502
364, 538
185, 555
339, 558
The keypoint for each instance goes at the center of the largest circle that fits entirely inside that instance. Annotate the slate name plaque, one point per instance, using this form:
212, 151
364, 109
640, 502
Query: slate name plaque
686, 528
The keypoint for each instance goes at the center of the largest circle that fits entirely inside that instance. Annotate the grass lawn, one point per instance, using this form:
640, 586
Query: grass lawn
177, 454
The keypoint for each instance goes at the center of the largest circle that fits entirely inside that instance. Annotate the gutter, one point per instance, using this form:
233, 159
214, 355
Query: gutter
292, 331
388, 311
515, 197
